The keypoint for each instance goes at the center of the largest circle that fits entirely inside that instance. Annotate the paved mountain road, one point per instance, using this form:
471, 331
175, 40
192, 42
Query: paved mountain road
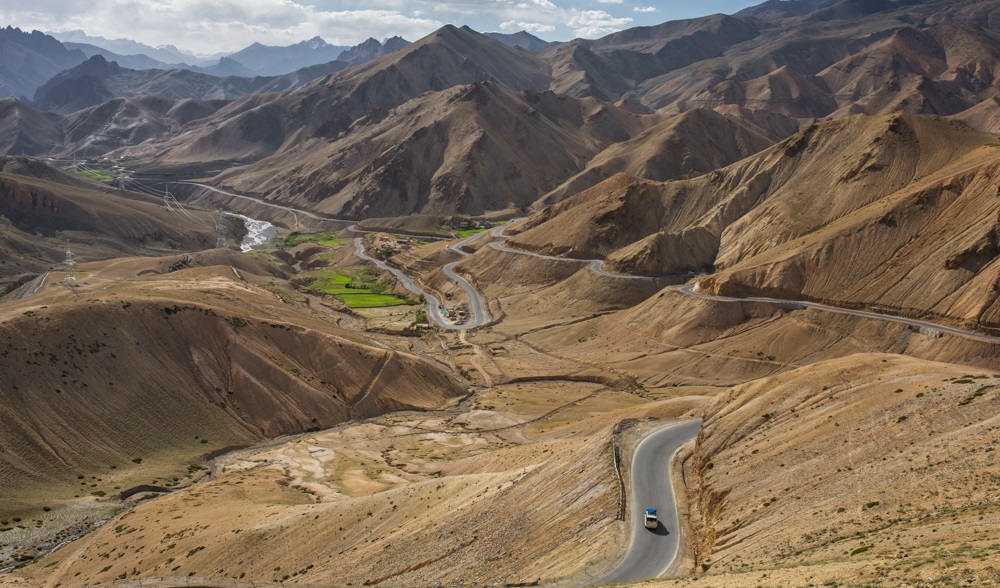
652, 551
311, 215
480, 318
690, 291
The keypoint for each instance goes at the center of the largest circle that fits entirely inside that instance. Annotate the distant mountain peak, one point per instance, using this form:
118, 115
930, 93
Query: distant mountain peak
394, 44
522, 39
96, 65
371, 49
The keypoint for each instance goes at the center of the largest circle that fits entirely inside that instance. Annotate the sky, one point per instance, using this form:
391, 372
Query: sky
222, 26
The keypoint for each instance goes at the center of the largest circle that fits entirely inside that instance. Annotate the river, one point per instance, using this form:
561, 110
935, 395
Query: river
258, 232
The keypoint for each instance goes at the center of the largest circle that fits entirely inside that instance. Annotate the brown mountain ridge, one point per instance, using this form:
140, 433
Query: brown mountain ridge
852, 211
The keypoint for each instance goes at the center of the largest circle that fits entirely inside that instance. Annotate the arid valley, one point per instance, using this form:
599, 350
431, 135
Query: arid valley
457, 312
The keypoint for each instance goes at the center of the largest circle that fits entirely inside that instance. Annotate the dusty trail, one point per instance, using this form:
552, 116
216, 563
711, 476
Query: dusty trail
478, 350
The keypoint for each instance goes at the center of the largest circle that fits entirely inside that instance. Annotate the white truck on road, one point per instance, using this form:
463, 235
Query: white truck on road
650, 518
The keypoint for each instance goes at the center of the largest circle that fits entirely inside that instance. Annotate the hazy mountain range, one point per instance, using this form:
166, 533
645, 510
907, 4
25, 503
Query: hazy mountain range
31, 57
316, 143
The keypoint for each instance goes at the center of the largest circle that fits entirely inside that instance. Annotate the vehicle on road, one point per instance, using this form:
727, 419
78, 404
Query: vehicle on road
650, 519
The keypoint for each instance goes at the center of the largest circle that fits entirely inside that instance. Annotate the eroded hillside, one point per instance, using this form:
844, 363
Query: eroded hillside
178, 414
862, 211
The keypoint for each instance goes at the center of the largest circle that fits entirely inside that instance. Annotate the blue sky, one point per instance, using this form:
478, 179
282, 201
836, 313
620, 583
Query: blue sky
207, 27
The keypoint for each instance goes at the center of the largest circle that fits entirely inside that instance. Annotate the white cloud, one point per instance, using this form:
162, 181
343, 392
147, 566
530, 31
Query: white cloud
534, 27
546, 4
610, 1
596, 23
483, 7
221, 25
645, 9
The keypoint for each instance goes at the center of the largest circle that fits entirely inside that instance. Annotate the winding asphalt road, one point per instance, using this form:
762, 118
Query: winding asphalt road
480, 318
479, 315
690, 291
311, 215
596, 266
32, 287
652, 551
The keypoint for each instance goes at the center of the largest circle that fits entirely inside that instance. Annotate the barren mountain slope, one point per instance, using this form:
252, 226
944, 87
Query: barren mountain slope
520, 485
101, 129
940, 70
896, 211
46, 211
27, 131
783, 91
870, 467
332, 514
327, 108
469, 150
694, 142
609, 67
96, 80
929, 57
29, 59
133, 362
666, 340
984, 116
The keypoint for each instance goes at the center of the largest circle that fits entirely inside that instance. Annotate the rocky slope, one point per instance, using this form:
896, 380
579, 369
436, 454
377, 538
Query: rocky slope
29, 59
867, 467
150, 367
776, 69
691, 143
254, 128
96, 81
610, 67
897, 211
45, 211
266, 60
470, 150
929, 58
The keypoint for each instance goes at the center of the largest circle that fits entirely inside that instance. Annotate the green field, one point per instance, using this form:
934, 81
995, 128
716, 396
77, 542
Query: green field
363, 289
327, 238
97, 174
470, 232
370, 300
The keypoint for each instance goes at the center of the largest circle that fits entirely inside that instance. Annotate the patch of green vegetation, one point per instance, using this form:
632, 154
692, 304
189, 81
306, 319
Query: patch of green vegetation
100, 174
470, 232
326, 238
362, 289
331, 282
370, 300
